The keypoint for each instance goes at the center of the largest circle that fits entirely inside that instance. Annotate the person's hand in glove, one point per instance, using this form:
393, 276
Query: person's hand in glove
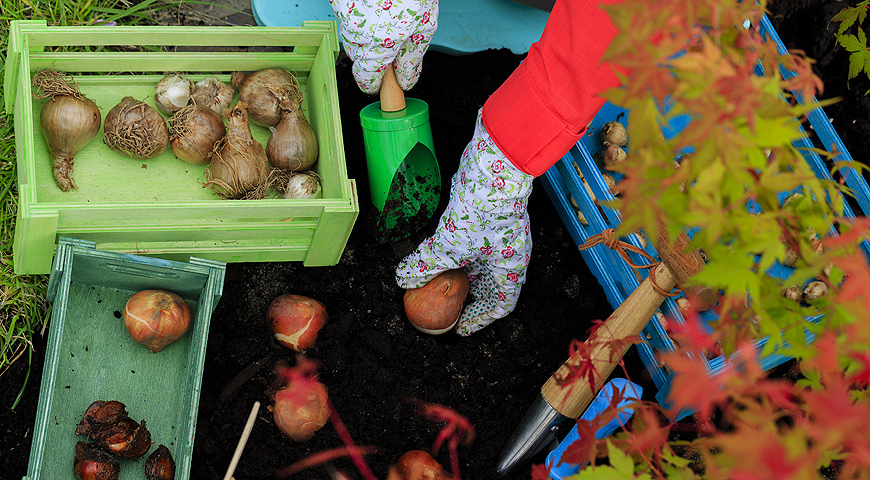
523, 129
484, 230
378, 33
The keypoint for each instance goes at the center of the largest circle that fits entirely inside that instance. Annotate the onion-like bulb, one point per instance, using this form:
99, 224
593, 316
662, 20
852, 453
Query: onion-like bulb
93, 463
293, 144
135, 129
160, 465
172, 93
303, 185
239, 167
193, 132
256, 90
69, 122
156, 318
213, 93
301, 409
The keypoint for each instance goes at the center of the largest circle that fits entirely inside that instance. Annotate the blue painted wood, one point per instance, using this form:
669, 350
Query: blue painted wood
562, 182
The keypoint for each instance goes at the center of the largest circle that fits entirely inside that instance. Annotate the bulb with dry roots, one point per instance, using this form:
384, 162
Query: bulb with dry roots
69, 121
194, 130
135, 129
292, 145
257, 89
212, 93
239, 168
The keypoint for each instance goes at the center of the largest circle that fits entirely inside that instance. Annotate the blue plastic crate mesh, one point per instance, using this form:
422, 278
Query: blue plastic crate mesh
570, 181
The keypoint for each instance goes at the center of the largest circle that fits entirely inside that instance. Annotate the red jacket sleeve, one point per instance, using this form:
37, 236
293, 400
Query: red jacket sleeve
542, 109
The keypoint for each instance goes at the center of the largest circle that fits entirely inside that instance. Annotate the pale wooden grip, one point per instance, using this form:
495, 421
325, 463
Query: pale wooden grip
626, 322
392, 96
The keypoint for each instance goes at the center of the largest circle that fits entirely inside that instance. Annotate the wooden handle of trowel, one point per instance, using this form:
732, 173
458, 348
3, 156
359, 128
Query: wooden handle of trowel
392, 96
627, 321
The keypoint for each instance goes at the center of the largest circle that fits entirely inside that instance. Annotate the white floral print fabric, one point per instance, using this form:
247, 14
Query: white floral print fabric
484, 230
379, 32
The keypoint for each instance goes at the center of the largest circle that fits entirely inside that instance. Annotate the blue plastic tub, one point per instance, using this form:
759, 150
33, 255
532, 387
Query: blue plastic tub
463, 27
562, 182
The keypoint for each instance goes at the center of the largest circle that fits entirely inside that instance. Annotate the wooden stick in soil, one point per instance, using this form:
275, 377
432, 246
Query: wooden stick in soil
242, 441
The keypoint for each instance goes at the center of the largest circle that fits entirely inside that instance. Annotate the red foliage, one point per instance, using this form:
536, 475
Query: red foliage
457, 430
583, 449
303, 375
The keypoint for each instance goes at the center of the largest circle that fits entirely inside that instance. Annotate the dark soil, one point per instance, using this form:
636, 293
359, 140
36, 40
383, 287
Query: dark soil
370, 357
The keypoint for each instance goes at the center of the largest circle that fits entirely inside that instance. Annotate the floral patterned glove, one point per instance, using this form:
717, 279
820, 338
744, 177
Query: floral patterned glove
379, 32
485, 230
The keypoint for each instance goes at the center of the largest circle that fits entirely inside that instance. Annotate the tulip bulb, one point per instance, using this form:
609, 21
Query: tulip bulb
160, 465
156, 318
93, 463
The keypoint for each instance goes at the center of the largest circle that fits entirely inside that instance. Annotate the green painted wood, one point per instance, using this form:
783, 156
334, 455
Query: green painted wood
90, 356
34, 238
335, 233
159, 207
162, 62
42, 35
11, 68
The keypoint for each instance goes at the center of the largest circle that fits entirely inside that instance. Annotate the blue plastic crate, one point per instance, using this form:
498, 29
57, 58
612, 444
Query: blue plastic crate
563, 182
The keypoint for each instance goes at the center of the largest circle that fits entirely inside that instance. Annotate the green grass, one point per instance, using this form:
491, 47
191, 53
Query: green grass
24, 312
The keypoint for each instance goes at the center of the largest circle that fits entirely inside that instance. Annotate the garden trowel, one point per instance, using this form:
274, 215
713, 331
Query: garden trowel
404, 178
560, 400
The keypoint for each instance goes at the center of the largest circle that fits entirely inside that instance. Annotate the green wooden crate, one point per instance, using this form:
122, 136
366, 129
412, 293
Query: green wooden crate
90, 356
158, 207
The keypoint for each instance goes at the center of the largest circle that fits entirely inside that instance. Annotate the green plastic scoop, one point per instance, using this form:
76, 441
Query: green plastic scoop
403, 172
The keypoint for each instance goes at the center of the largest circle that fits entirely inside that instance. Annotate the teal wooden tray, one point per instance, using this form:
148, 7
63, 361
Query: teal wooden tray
90, 356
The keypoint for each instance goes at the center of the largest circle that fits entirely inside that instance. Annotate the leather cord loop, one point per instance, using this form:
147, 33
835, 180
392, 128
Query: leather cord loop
611, 241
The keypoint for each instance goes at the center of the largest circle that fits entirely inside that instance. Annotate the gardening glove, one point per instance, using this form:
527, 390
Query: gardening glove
484, 230
380, 32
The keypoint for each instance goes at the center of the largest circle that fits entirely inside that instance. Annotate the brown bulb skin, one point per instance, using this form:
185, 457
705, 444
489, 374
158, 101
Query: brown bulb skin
109, 426
435, 307
93, 463
160, 465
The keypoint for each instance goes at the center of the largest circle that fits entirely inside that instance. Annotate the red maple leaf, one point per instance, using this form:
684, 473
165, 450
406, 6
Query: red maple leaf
833, 416
691, 334
862, 376
826, 359
540, 472
581, 366
457, 429
582, 450
303, 378
693, 387
647, 433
